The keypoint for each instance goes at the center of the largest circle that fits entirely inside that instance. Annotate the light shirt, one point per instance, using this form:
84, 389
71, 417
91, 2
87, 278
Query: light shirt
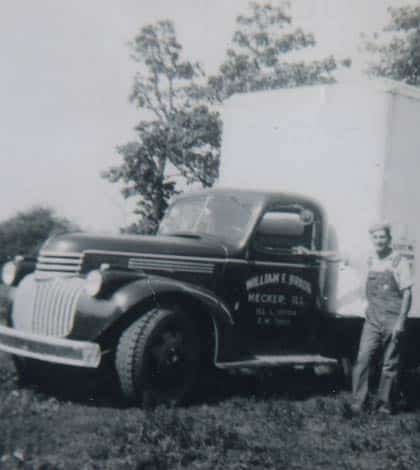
395, 263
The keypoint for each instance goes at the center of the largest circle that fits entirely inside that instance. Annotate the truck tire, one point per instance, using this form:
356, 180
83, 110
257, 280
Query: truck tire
157, 358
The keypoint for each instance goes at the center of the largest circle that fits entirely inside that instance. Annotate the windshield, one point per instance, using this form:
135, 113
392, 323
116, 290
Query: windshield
220, 215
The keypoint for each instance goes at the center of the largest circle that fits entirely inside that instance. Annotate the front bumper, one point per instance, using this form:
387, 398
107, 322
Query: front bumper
49, 348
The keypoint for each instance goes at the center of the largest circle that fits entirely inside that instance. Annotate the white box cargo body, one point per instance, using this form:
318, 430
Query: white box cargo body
353, 147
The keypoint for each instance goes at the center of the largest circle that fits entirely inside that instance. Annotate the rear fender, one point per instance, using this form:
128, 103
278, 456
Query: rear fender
340, 335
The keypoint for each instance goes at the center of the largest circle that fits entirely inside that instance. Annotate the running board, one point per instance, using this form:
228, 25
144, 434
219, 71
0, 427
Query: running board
294, 360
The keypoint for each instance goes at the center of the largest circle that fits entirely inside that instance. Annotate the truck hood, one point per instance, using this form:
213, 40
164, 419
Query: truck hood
171, 245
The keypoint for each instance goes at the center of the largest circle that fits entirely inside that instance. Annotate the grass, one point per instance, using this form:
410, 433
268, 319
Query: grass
283, 421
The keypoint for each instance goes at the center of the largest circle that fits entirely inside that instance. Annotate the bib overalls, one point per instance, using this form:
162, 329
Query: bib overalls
384, 305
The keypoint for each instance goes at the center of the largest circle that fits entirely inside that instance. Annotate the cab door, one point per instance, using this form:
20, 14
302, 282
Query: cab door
282, 285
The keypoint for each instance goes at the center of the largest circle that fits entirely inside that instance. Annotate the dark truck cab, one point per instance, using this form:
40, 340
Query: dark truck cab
224, 282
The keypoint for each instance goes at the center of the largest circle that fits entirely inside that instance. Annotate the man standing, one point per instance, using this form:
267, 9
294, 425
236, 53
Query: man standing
388, 291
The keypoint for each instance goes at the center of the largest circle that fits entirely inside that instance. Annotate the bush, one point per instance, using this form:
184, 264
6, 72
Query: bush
24, 233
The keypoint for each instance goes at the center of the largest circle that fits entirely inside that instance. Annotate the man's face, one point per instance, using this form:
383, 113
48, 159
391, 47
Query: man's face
381, 241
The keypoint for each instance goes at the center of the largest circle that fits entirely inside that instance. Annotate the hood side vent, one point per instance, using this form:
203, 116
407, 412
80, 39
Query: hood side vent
58, 264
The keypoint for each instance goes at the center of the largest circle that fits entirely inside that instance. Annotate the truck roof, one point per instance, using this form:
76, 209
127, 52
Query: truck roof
265, 198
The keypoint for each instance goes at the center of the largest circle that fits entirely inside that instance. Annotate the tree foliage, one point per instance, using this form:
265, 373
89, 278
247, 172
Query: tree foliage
24, 233
262, 55
397, 48
180, 140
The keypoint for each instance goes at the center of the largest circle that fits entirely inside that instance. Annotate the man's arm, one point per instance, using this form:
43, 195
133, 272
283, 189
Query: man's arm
324, 254
403, 276
405, 307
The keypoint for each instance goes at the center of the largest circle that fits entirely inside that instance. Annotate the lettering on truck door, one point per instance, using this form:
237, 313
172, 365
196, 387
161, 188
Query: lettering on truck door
281, 286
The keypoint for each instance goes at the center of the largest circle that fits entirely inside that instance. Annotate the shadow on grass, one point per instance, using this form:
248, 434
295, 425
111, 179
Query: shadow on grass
100, 388
83, 386
289, 384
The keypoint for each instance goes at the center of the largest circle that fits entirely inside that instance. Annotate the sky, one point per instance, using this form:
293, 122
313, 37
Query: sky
66, 74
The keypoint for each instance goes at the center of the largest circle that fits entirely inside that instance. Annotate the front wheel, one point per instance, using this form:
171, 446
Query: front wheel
157, 358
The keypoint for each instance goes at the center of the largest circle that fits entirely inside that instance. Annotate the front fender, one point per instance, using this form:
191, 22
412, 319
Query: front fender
162, 286
95, 317
216, 308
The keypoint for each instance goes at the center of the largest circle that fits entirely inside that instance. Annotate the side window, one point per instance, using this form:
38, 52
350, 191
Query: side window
280, 231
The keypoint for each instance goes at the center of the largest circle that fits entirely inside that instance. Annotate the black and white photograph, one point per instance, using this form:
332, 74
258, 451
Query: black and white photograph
209, 234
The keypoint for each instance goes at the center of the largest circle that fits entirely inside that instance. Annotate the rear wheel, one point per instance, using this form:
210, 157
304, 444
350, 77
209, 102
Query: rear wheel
346, 364
157, 358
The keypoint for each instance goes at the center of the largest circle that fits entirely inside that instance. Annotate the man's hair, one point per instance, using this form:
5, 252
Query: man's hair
381, 226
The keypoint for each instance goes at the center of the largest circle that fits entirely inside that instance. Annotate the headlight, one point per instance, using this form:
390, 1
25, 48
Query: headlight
94, 282
9, 273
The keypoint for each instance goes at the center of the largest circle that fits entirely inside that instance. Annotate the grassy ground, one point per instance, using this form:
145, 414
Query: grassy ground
285, 421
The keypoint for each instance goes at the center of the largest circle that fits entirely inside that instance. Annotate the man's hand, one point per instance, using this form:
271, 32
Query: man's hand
405, 307
300, 250
398, 329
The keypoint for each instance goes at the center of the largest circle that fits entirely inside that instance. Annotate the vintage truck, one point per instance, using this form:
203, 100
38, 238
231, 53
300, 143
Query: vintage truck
226, 282
221, 284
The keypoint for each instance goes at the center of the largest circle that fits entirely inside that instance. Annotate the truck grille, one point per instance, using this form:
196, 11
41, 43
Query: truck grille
46, 307
49, 264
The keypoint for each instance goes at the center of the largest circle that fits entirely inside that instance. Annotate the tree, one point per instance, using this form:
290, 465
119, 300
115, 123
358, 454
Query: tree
262, 55
397, 49
24, 233
180, 140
